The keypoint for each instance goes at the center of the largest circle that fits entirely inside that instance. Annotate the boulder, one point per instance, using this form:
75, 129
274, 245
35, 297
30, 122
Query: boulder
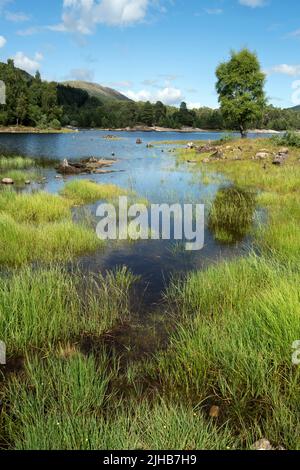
262, 444
7, 181
261, 155
206, 149
218, 154
284, 150
87, 166
190, 145
279, 159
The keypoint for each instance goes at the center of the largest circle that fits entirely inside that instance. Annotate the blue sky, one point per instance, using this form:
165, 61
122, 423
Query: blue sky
154, 49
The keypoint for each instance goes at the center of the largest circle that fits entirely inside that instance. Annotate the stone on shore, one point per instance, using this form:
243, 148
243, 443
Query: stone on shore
7, 181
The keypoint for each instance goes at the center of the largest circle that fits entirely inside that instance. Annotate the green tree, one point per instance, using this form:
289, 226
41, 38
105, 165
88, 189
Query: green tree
147, 114
240, 87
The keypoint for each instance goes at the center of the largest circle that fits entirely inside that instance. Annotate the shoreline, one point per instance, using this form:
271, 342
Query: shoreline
33, 130
66, 130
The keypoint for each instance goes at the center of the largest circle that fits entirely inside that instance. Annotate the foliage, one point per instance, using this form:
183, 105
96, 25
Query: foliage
290, 139
240, 87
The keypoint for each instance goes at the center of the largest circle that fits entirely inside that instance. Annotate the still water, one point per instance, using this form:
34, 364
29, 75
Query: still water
153, 173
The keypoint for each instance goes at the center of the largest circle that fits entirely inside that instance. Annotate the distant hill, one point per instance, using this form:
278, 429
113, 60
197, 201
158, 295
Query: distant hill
295, 108
98, 91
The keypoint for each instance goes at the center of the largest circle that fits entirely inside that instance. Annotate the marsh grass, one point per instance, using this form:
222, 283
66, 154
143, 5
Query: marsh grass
85, 192
232, 214
40, 308
16, 163
37, 208
62, 405
20, 176
22, 243
234, 347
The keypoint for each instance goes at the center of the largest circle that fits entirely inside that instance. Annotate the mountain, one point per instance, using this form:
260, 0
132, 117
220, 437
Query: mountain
98, 91
295, 108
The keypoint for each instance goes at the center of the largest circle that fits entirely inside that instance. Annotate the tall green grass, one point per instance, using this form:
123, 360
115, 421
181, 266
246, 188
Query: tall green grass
37, 208
62, 405
235, 347
84, 191
20, 177
16, 163
39, 308
22, 243
232, 214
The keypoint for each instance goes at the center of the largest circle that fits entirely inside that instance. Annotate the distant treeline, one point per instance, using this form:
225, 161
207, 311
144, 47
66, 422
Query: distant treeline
33, 102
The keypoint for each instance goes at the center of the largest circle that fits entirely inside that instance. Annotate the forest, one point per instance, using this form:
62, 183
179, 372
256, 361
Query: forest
30, 101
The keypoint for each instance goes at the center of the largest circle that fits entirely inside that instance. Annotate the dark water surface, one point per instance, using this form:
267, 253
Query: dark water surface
152, 173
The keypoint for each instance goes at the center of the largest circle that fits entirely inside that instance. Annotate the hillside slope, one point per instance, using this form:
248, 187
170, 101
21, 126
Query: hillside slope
98, 91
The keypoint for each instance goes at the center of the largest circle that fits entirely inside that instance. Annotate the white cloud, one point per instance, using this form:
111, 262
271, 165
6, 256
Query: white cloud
285, 69
16, 17
2, 41
142, 95
81, 16
26, 63
168, 95
30, 31
252, 3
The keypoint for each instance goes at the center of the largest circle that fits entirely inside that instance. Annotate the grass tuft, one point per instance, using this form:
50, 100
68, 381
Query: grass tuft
85, 192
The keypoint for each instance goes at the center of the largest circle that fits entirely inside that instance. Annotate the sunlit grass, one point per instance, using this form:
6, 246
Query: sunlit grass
41, 307
20, 177
24, 243
62, 405
235, 344
16, 163
36, 208
84, 191
232, 214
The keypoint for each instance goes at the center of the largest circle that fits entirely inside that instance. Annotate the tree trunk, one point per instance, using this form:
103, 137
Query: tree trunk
243, 131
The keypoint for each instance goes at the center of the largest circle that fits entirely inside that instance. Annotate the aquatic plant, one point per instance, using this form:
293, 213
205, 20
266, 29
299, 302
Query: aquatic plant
37, 207
16, 163
84, 191
232, 213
